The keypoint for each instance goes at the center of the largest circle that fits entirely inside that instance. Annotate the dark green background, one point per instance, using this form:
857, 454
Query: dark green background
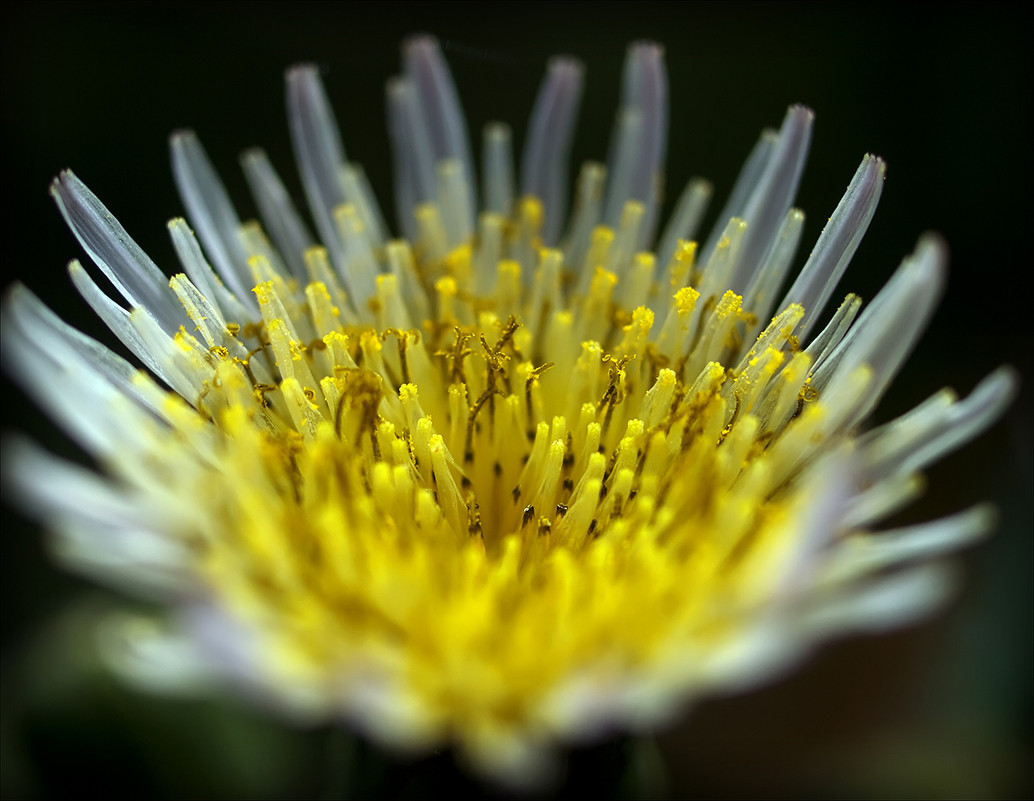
944, 96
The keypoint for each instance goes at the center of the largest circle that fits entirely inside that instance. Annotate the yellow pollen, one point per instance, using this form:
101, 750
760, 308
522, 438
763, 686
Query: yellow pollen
540, 461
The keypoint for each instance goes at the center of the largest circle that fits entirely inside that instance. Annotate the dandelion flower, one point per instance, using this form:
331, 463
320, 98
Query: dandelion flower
524, 477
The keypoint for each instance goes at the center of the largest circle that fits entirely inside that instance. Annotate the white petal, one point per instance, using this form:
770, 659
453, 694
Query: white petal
882, 605
635, 165
441, 115
746, 181
773, 195
116, 319
152, 657
211, 213
863, 554
497, 169
279, 216
887, 331
88, 390
318, 152
544, 165
685, 220
937, 427
412, 156
838, 242
203, 276
121, 259
760, 295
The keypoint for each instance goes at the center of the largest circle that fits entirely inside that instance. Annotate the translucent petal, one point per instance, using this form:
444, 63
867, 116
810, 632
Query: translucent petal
838, 242
497, 169
125, 264
685, 220
440, 115
318, 152
544, 165
773, 195
636, 163
279, 215
211, 213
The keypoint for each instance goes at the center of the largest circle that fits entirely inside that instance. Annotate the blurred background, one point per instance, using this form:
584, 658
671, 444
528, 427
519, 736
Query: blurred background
940, 710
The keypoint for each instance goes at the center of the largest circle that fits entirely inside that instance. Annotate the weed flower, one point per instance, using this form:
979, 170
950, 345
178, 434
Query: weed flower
522, 477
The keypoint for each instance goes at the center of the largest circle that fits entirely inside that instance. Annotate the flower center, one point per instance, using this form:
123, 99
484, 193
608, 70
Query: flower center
498, 450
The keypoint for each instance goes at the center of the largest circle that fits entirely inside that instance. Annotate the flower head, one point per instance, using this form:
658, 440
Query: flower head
524, 476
